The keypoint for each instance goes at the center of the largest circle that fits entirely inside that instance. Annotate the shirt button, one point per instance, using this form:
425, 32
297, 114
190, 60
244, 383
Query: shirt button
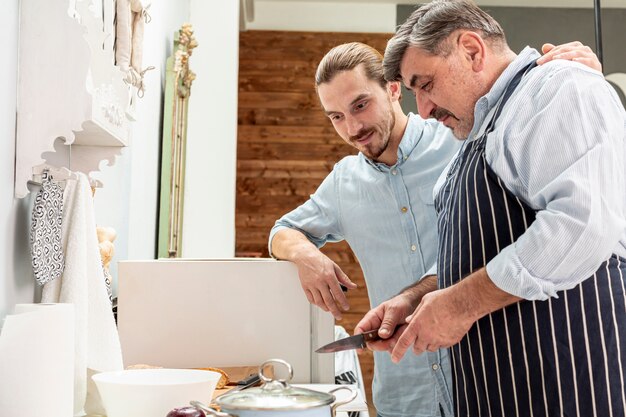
435, 366
404, 209
394, 172
406, 157
413, 248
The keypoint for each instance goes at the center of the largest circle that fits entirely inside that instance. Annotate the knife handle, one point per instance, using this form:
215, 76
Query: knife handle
249, 380
371, 336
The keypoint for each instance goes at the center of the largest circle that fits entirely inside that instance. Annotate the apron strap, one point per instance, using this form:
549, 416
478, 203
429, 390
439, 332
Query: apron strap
510, 88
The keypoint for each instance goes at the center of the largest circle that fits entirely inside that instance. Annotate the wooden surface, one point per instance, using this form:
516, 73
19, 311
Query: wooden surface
286, 145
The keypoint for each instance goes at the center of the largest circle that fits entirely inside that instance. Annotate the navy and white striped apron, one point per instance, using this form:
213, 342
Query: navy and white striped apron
561, 357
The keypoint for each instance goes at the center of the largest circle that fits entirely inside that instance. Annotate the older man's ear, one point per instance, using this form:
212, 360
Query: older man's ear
473, 49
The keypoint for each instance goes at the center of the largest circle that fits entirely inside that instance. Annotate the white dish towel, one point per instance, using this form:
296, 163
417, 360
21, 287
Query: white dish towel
82, 284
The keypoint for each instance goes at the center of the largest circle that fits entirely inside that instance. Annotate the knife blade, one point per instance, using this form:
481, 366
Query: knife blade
358, 341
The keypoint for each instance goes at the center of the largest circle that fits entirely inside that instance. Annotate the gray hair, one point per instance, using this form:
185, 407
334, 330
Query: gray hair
347, 57
429, 27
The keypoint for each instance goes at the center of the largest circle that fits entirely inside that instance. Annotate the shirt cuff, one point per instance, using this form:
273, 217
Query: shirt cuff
507, 273
274, 230
431, 271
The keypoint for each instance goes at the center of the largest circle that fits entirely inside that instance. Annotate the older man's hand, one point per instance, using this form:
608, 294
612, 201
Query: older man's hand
437, 322
386, 317
444, 316
390, 316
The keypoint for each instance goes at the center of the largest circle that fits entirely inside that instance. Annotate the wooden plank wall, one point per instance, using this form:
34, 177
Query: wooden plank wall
286, 145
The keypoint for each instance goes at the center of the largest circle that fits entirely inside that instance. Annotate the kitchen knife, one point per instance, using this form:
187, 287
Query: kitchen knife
358, 341
248, 382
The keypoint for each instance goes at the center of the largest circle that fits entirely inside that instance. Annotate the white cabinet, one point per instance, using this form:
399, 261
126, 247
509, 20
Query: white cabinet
188, 313
69, 88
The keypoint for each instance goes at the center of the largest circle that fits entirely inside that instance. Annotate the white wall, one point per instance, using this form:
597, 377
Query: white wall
209, 211
129, 199
324, 16
16, 281
619, 81
128, 202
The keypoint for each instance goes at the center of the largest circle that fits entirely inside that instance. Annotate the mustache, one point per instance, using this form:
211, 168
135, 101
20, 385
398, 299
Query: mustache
439, 113
361, 134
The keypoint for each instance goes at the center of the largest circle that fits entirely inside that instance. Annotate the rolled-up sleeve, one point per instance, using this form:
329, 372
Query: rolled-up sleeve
318, 218
565, 149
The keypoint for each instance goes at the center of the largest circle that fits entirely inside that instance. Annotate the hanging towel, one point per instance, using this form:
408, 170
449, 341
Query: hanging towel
140, 17
131, 17
82, 284
347, 368
123, 34
45, 231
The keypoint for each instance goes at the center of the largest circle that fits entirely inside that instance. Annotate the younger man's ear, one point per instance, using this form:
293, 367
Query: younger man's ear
394, 89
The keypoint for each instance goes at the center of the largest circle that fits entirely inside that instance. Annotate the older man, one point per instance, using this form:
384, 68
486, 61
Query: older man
381, 203
532, 229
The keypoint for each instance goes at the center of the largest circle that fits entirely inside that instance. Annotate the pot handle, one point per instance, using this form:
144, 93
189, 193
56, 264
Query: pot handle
210, 411
333, 407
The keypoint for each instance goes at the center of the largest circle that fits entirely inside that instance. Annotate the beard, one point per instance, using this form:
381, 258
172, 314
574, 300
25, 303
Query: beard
460, 127
376, 148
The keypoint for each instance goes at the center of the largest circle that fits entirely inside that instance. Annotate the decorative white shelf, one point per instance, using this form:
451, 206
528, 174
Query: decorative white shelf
69, 88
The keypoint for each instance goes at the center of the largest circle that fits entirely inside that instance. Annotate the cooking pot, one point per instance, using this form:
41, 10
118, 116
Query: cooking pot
276, 398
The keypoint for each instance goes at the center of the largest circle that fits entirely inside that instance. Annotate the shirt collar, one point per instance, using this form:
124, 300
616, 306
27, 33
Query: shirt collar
486, 103
410, 139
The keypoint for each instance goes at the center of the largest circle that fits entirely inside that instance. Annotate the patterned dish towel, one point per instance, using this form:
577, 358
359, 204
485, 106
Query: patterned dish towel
45, 231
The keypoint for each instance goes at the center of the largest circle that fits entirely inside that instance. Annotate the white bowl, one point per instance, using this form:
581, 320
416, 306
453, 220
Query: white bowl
153, 392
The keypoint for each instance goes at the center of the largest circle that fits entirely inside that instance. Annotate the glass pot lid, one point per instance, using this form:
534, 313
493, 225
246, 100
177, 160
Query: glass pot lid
274, 394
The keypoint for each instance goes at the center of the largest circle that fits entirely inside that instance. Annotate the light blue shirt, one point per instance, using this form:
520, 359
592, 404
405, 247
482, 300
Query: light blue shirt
387, 216
559, 146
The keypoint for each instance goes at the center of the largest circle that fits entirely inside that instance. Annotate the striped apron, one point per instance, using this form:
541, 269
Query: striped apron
562, 357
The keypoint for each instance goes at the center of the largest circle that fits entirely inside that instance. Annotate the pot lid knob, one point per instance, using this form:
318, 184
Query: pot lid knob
273, 383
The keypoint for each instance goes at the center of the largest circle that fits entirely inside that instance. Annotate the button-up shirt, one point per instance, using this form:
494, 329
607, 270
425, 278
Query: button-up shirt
387, 216
559, 146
